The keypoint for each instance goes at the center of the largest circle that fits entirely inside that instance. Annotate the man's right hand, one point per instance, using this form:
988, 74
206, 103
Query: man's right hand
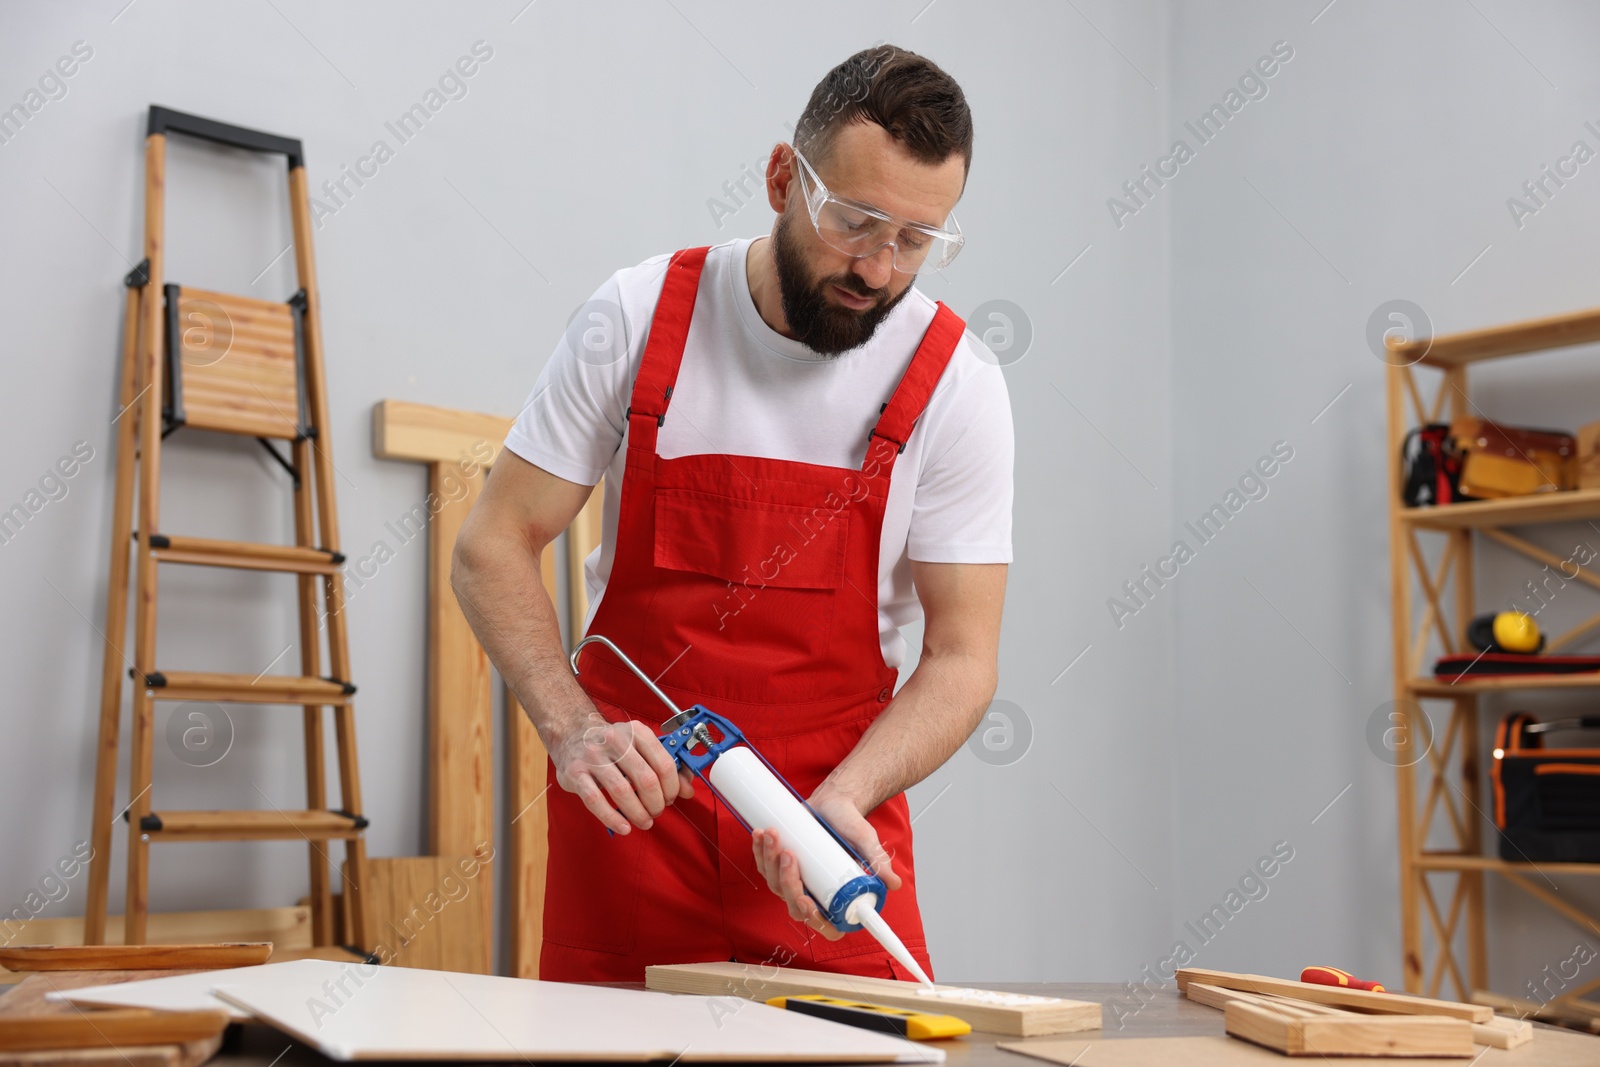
620, 771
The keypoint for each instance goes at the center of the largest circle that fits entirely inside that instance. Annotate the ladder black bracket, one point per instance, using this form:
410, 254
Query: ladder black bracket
160, 541
334, 557
282, 462
150, 824
360, 821
369, 958
139, 276
348, 687
297, 305
172, 407
153, 680
164, 120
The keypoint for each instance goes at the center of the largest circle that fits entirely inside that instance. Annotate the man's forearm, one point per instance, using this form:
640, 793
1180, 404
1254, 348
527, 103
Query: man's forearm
498, 585
932, 715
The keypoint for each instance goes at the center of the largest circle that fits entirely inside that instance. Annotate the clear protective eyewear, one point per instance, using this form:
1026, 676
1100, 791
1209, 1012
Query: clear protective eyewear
860, 230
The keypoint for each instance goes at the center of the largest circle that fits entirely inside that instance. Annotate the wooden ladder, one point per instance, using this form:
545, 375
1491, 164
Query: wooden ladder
234, 364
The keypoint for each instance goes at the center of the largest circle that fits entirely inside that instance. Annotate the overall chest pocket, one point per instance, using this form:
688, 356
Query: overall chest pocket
751, 542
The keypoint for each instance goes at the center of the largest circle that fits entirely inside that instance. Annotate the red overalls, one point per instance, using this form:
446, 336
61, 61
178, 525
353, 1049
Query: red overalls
748, 585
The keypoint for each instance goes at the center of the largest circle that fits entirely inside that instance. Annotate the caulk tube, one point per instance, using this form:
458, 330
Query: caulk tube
750, 788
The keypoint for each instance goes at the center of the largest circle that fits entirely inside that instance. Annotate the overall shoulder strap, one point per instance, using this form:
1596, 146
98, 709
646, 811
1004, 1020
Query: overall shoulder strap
888, 438
663, 348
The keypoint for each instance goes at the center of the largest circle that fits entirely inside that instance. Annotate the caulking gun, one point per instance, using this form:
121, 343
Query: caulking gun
832, 871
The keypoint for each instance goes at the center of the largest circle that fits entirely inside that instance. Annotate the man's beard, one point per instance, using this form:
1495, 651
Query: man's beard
817, 322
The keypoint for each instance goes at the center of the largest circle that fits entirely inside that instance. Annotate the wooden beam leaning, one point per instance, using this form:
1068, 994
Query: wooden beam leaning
1012, 1014
1357, 999
457, 447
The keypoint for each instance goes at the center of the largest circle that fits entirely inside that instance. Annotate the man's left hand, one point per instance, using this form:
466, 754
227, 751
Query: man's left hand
781, 868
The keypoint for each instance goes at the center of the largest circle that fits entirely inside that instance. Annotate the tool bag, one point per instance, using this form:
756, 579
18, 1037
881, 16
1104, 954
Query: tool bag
1546, 800
1464, 664
1432, 466
1501, 461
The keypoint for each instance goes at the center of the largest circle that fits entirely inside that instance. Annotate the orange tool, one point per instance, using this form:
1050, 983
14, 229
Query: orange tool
1334, 976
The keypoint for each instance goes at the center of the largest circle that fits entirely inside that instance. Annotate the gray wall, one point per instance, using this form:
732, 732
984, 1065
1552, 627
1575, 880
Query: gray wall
1150, 764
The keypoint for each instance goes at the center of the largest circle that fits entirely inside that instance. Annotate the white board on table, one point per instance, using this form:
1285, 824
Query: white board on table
178, 992
400, 1013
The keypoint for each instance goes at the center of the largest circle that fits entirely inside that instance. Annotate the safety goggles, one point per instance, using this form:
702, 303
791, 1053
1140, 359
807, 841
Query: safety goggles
859, 230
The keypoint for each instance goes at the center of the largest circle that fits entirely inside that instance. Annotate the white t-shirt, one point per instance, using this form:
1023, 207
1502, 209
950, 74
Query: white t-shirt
745, 390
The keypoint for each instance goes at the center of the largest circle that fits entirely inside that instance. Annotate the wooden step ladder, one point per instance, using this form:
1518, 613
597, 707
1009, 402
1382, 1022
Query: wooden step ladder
234, 364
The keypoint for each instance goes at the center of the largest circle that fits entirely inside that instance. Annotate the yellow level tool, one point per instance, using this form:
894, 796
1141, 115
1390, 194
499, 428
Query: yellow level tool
902, 1022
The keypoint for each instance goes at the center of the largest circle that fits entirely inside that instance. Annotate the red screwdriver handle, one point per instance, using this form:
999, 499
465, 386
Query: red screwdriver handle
1334, 976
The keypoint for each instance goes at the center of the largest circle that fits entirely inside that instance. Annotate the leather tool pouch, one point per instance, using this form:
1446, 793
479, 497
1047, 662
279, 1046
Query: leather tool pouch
1502, 461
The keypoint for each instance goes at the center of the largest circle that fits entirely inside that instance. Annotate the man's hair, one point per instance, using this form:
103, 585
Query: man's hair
920, 106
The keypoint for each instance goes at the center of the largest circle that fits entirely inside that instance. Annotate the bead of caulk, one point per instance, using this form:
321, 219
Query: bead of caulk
985, 996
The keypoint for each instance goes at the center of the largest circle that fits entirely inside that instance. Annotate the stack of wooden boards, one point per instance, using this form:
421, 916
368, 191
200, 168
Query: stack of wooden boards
37, 1029
1303, 1019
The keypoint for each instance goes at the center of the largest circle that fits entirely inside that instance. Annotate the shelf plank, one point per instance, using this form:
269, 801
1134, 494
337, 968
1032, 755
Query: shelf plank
1445, 861
1563, 506
1499, 683
1511, 339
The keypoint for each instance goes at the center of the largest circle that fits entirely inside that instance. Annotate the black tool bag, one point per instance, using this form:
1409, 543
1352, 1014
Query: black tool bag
1432, 466
1546, 800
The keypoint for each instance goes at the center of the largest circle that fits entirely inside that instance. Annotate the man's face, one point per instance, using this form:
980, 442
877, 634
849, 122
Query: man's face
831, 301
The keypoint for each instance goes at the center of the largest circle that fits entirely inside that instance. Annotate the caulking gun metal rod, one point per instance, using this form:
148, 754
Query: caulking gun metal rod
573, 659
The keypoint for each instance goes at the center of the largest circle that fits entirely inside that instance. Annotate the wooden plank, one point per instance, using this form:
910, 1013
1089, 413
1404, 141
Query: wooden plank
28, 1000
420, 912
1551, 1048
1492, 342
1350, 1035
133, 957
528, 844
1217, 997
1359, 999
1564, 506
288, 929
583, 535
110, 1029
1551, 1012
1014, 1014
1501, 1032
460, 709
427, 434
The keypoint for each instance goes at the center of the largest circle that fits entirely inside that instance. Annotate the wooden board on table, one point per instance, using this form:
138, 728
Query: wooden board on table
1499, 1032
134, 957
1013, 1014
1551, 1048
400, 1013
1295, 1032
288, 929
1338, 996
27, 999
420, 911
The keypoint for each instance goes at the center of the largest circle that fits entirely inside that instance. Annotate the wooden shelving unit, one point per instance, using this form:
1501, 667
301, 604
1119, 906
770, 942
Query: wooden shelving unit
1443, 782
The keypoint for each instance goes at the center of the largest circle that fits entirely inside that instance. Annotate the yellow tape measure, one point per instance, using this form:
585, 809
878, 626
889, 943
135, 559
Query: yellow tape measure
903, 1022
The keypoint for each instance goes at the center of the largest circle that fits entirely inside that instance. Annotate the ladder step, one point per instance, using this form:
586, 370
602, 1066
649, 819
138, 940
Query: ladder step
252, 825
244, 555
245, 689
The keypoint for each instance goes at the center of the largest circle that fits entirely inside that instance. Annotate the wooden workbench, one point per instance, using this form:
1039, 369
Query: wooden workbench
1167, 1015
